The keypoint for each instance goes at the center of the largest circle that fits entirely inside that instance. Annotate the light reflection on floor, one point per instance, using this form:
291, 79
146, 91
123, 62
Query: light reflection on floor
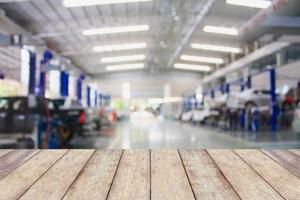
144, 131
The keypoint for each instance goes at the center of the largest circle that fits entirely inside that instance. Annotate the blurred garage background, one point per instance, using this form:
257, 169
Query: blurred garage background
149, 74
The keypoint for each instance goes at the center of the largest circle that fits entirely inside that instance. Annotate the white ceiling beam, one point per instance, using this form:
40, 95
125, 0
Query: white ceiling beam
189, 33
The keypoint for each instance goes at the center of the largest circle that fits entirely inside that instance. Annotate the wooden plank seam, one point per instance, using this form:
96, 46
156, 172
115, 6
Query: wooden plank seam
259, 174
79, 174
223, 174
43, 174
288, 169
112, 181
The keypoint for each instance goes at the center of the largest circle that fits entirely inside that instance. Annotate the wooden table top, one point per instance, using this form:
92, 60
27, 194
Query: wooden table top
149, 174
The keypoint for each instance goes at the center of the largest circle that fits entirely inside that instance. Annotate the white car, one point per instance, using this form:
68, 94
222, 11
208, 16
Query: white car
187, 116
254, 97
202, 115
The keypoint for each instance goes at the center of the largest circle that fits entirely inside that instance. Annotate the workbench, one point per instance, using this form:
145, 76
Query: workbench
149, 174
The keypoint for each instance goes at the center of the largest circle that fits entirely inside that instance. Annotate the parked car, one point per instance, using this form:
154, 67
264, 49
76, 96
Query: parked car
71, 114
201, 116
186, 116
19, 114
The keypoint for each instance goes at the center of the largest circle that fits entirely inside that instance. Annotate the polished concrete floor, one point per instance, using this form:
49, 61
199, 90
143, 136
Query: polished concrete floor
143, 131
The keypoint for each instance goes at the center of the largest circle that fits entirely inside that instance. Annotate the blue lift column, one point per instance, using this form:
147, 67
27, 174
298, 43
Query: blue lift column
42, 85
242, 84
227, 88
88, 96
212, 93
64, 84
275, 109
249, 82
79, 89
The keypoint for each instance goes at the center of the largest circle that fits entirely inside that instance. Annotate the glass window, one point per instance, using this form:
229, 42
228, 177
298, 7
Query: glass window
18, 105
4, 104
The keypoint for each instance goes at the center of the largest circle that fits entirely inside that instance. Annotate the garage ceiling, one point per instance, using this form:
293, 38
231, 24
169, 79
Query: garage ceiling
169, 21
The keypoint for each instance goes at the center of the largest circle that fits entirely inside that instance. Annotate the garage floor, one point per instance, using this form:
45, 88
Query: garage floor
154, 132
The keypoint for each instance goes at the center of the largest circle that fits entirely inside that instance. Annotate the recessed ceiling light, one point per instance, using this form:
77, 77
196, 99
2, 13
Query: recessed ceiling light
221, 30
123, 58
120, 47
120, 29
202, 59
215, 48
125, 67
78, 3
192, 67
250, 3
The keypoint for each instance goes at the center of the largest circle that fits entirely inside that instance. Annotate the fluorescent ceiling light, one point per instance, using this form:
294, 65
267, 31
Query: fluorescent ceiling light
192, 67
78, 3
221, 30
250, 3
125, 67
123, 58
202, 59
120, 29
120, 47
215, 48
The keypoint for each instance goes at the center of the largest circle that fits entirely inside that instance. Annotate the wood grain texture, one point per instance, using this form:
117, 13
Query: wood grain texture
246, 182
296, 151
18, 181
168, 178
96, 178
286, 158
4, 151
56, 182
282, 180
132, 179
206, 179
13, 159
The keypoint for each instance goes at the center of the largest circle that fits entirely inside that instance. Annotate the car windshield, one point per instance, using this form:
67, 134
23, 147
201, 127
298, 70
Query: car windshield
4, 104
262, 92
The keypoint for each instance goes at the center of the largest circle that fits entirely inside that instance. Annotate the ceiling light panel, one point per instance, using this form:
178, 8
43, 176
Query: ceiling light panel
80, 3
202, 59
221, 30
111, 30
125, 67
250, 3
216, 48
123, 58
120, 47
203, 68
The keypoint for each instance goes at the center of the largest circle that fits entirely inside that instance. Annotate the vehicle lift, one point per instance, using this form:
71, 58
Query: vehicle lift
255, 126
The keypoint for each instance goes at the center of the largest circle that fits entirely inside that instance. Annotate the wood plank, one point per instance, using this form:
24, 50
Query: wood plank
246, 182
4, 151
296, 151
132, 179
97, 176
168, 177
17, 182
206, 179
286, 158
56, 182
282, 180
14, 159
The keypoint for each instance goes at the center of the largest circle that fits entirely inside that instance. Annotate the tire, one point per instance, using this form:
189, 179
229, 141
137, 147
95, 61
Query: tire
65, 134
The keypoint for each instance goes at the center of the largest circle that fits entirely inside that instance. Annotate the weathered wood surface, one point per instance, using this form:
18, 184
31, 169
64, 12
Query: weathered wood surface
149, 174
286, 158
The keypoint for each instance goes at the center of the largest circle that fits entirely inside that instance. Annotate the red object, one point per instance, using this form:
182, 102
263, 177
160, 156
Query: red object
114, 116
290, 100
82, 118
